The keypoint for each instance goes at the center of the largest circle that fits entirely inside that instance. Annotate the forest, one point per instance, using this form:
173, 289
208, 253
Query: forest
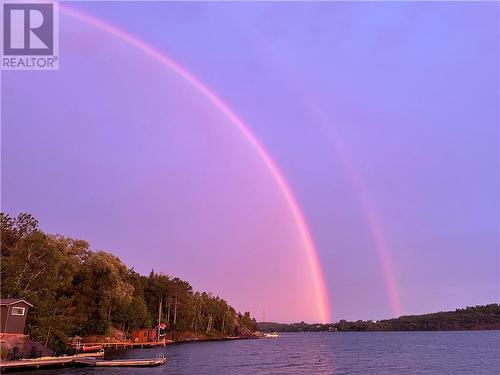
78, 291
469, 318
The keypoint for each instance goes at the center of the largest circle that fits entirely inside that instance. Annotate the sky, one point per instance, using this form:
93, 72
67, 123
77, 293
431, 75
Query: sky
381, 118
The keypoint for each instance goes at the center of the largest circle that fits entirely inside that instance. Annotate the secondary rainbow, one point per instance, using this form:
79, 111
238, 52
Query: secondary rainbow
368, 212
351, 172
311, 252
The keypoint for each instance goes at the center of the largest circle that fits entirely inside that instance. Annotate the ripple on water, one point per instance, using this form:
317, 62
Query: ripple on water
460, 353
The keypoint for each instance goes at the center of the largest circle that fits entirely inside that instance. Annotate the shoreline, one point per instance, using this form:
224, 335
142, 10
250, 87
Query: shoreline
399, 331
67, 360
154, 344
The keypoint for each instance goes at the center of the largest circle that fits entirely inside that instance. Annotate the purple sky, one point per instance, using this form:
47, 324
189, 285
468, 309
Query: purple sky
396, 101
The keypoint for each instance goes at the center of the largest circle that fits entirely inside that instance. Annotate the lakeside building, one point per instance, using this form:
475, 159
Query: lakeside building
144, 335
13, 315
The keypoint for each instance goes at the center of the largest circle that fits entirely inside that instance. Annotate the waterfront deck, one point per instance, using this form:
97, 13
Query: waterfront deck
78, 360
28, 364
131, 345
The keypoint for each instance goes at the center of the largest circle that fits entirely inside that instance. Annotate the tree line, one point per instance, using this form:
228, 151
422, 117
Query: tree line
77, 291
469, 318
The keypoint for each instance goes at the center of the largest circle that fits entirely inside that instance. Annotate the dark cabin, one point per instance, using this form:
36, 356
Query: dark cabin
13, 315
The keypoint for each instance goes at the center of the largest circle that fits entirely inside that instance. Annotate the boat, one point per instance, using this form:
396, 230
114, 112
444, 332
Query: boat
100, 353
271, 335
91, 348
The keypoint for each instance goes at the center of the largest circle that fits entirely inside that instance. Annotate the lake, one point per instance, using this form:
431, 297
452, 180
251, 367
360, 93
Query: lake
472, 352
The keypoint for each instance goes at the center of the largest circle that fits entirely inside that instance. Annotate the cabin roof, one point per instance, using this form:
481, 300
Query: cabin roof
12, 301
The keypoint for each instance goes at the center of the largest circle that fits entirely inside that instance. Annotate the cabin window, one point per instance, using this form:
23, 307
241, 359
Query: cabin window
18, 311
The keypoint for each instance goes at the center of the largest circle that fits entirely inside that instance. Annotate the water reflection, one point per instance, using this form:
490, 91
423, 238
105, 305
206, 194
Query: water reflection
325, 353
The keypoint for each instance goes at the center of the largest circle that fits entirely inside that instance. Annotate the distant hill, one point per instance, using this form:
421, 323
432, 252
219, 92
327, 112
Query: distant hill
470, 318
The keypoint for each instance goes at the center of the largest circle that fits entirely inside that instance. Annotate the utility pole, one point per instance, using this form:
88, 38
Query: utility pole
159, 318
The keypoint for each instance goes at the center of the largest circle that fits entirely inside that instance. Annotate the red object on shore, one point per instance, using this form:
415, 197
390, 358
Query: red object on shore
144, 335
91, 348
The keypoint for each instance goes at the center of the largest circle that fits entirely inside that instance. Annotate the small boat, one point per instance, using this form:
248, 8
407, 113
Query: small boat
100, 353
272, 335
91, 348
151, 362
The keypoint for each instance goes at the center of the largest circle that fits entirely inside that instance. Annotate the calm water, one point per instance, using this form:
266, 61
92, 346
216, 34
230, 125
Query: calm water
326, 353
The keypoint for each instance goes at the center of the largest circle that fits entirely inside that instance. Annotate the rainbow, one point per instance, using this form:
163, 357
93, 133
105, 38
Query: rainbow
373, 225
354, 178
310, 249
368, 212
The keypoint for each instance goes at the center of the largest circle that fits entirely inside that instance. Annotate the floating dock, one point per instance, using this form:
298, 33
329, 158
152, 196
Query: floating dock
158, 361
29, 364
78, 360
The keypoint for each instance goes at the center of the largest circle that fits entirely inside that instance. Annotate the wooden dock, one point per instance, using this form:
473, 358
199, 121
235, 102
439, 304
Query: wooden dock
132, 345
78, 360
29, 364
